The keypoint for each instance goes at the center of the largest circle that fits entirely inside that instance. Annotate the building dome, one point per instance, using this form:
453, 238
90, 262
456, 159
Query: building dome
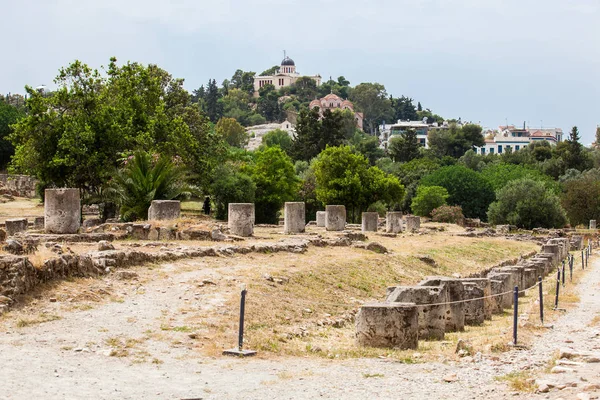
288, 61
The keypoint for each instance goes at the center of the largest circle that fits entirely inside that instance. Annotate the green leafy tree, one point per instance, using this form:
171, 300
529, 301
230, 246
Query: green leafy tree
278, 137
404, 109
427, 199
466, 188
404, 147
372, 100
268, 104
571, 151
344, 177
276, 182
231, 186
581, 199
455, 141
477, 162
367, 145
212, 107
243, 80
527, 204
313, 133
306, 89
232, 132
308, 190
8, 116
499, 174
142, 180
271, 71
429, 116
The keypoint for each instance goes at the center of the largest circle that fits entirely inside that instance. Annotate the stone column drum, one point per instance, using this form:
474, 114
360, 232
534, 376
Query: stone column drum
393, 325
15, 225
335, 218
321, 218
294, 217
240, 219
370, 221
62, 210
592, 224
164, 210
413, 224
393, 222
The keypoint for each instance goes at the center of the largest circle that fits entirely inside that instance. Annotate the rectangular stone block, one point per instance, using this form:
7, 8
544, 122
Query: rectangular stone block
389, 325
453, 290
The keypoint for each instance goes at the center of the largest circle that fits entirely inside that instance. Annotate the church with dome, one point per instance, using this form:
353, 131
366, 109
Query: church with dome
285, 76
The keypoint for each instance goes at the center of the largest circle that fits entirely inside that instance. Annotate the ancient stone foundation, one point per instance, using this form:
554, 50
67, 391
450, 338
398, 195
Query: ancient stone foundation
38, 223
62, 210
294, 218
15, 225
321, 218
592, 224
432, 318
413, 224
393, 222
164, 210
335, 218
241, 219
370, 221
394, 325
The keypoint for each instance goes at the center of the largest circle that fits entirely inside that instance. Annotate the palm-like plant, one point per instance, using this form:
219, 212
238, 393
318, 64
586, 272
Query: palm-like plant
144, 179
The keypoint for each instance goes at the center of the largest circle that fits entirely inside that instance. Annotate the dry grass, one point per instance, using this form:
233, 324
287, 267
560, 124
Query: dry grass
39, 319
21, 207
520, 381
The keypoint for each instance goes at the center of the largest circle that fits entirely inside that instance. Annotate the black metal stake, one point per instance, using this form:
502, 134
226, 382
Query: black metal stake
240, 349
582, 260
541, 300
563, 274
516, 314
571, 268
557, 290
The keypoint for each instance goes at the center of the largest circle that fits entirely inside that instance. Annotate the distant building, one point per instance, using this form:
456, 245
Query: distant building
513, 138
286, 75
335, 102
421, 128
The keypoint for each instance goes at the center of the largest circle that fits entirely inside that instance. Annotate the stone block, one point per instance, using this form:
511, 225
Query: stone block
390, 325
140, 231
485, 285
370, 220
321, 218
554, 249
413, 223
38, 223
62, 210
453, 289
15, 225
576, 242
241, 219
164, 210
592, 224
501, 283
393, 222
475, 308
432, 319
294, 218
335, 218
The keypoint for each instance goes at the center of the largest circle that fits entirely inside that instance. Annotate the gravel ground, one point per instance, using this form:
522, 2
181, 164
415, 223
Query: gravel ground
69, 359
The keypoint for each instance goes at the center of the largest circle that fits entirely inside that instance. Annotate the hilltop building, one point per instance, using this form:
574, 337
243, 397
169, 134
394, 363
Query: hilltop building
420, 127
285, 76
497, 142
335, 102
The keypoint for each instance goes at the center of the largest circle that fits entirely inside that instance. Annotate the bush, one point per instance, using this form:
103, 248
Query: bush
378, 207
231, 186
528, 204
500, 174
581, 199
449, 214
466, 188
278, 137
427, 199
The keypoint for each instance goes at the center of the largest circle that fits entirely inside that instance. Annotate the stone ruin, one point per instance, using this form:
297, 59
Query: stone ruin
241, 219
164, 210
294, 218
393, 222
444, 304
370, 221
62, 210
335, 218
321, 218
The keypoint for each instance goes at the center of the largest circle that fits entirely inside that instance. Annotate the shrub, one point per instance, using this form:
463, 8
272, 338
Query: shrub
231, 186
528, 204
427, 199
449, 214
379, 207
581, 199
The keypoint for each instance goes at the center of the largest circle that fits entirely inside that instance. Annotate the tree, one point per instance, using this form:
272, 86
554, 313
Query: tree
8, 116
527, 204
278, 137
597, 142
500, 174
372, 99
403, 109
306, 89
581, 199
271, 71
268, 104
419, 108
314, 134
404, 147
455, 141
571, 151
466, 188
76, 136
212, 107
231, 186
366, 145
344, 177
427, 199
142, 180
276, 183
232, 132
244, 81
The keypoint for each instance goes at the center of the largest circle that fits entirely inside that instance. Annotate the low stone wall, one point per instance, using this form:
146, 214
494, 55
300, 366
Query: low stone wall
18, 185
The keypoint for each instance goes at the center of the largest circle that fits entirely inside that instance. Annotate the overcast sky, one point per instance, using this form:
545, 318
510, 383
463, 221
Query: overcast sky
486, 61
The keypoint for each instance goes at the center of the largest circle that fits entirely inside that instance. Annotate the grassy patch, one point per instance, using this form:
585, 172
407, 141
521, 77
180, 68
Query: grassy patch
521, 381
40, 319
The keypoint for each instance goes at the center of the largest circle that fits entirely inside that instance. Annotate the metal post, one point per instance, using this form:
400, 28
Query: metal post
240, 349
515, 314
571, 268
563, 274
541, 299
587, 255
582, 260
557, 290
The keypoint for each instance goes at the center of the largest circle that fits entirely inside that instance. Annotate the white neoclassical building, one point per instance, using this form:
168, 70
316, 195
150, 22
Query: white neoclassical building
285, 76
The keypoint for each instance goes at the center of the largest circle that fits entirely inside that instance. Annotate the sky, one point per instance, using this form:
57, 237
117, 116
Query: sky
486, 61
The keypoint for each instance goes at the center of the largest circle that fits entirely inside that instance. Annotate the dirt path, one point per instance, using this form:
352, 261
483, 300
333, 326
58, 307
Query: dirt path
77, 356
